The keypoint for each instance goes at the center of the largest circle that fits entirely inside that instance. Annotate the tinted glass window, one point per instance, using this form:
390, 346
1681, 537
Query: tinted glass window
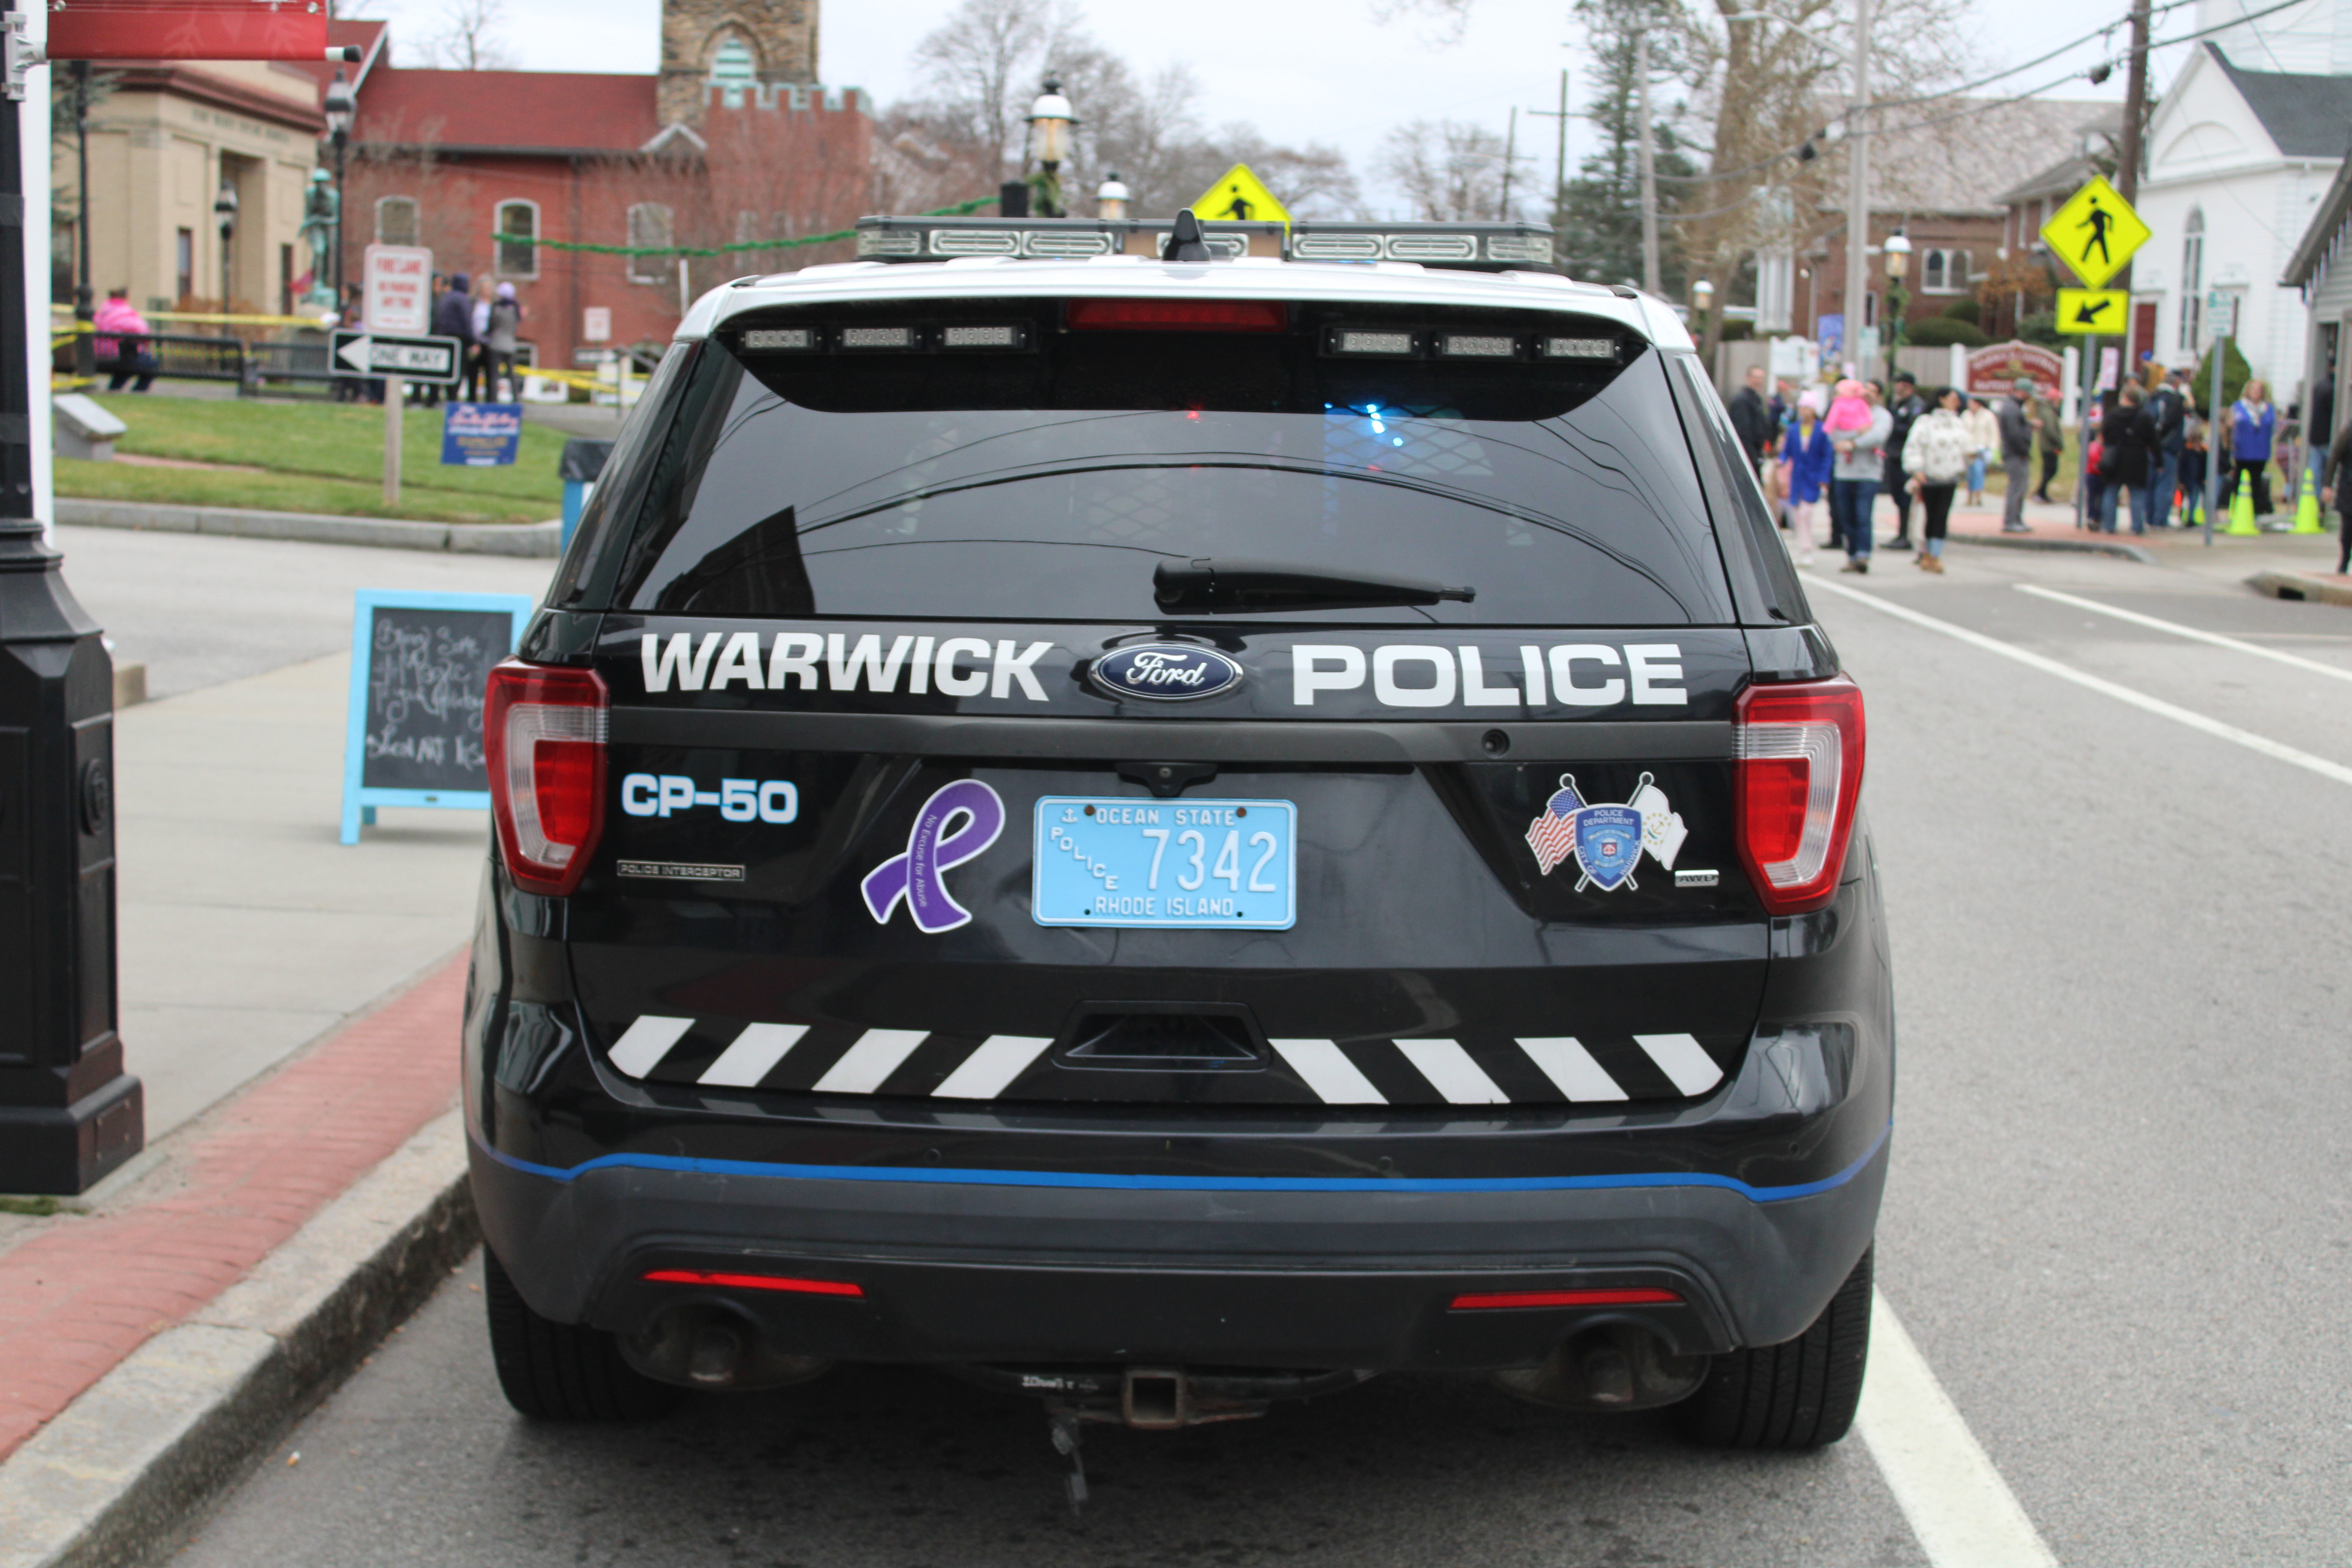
1046, 485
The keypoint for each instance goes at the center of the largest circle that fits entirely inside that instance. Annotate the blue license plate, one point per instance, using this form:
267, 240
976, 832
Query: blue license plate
1127, 862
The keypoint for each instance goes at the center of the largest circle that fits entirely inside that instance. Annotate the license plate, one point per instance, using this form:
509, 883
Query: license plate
1128, 862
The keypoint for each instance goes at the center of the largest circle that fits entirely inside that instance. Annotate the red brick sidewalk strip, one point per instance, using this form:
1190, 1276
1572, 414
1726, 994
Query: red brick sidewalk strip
78, 1299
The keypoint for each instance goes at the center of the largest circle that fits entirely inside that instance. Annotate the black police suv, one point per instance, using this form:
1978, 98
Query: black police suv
1178, 834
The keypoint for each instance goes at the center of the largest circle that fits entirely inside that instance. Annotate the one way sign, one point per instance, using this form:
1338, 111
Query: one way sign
395, 355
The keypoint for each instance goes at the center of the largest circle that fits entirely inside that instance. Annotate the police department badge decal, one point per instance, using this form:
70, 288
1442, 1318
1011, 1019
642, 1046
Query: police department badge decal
1607, 840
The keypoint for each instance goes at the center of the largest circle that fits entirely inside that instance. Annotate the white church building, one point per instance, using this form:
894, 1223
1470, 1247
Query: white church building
2242, 147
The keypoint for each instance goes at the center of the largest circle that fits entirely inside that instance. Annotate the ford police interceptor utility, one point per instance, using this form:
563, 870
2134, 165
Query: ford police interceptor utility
1173, 821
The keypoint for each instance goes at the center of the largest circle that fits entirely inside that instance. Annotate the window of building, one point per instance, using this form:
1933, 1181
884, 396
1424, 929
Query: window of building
2192, 279
1943, 271
650, 224
518, 236
395, 220
734, 69
184, 259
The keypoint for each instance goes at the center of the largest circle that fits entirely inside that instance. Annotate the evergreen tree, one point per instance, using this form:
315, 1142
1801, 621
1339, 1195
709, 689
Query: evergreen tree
1600, 222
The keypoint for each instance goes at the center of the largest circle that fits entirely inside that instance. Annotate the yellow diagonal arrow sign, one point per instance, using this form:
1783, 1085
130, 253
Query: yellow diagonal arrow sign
2092, 310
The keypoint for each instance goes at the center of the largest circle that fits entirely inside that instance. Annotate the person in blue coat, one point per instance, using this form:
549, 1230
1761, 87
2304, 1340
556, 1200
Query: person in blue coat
1805, 464
2253, 425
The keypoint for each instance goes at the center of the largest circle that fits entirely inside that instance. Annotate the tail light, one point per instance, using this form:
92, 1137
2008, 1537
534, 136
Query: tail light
544, 731
1799, 775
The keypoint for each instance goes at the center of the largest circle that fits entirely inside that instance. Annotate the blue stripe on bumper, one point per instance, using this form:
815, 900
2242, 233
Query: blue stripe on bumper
1090, 1179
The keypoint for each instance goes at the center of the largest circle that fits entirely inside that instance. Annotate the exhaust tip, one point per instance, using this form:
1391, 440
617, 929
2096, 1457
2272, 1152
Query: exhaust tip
705, 1345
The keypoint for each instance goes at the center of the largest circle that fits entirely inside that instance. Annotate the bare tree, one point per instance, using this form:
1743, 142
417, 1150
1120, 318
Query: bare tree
1451, 169
471, 39
980, 69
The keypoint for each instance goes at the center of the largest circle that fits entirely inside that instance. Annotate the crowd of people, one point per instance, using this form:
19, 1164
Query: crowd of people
486, 329
1825, 454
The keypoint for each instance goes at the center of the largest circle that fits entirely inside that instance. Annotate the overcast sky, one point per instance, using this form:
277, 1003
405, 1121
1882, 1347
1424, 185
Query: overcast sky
1302, 71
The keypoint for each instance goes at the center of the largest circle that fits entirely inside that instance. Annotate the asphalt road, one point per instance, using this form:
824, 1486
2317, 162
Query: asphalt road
2118, 1225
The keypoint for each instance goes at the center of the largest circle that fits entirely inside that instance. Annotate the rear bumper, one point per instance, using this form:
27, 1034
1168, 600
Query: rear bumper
1232, 1275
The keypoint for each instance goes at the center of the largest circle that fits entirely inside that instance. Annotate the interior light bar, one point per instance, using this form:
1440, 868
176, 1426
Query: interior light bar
1379, 341
1477, 345
878, 337
784, 340
1579, 348
988, 335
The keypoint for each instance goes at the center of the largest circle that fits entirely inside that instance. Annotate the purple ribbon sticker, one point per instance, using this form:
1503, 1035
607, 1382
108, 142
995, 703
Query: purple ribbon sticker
919, 875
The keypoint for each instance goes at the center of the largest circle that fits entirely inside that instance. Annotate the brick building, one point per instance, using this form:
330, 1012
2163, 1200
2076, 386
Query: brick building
731, 142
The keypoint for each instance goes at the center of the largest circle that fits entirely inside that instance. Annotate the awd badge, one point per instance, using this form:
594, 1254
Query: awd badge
1165, 671
1607, 840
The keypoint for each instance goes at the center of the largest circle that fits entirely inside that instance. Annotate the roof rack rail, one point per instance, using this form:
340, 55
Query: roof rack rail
1468, 245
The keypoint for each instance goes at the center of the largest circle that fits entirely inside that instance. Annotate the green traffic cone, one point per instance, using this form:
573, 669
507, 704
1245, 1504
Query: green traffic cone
2242, 507
2306, 510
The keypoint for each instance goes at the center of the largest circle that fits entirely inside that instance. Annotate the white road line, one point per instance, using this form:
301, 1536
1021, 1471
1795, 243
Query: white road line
1962, 1512
2337, 671
2140, 700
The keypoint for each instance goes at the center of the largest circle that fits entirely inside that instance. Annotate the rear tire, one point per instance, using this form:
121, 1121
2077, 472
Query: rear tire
1801, 1395
562, 1372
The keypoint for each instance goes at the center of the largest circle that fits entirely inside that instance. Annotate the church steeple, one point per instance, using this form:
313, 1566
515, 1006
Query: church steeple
738, 47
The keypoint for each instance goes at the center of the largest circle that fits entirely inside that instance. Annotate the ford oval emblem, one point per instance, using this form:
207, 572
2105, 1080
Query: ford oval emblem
1165, 671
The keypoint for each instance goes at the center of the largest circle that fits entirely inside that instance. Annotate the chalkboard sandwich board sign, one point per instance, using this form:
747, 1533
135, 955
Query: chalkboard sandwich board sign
420, 663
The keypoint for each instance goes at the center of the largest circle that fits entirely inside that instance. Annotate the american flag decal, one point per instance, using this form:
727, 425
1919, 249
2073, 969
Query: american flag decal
1552, 837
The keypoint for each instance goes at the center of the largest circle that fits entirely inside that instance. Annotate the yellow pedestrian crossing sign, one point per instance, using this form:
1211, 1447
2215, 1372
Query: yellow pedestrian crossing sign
1239, 197
2094, 233
2092, 310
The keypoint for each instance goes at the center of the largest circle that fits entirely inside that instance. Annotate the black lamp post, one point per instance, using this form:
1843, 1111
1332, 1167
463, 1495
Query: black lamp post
68, 1113
225, 209
341, 107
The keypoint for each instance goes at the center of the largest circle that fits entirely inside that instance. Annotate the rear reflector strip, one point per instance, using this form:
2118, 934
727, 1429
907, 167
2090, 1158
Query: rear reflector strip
1503, 1301
755, 1282
1178, 315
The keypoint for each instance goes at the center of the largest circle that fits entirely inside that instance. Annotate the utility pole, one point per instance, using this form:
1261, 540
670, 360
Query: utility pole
1857, 199
1510, 152
1649, 161
1560, 169
2127, 159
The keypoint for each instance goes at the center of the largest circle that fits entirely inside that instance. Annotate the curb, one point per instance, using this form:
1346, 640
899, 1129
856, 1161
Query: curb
2071, 546
2295, 585
462, 538
112, 1479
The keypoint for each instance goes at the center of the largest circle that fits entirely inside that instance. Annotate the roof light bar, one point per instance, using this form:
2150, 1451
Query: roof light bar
1477, 246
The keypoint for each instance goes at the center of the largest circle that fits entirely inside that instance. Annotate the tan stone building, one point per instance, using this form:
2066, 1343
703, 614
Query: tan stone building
161, 144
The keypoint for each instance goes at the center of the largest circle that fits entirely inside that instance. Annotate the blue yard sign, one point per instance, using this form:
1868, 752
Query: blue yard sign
481, 435
420, 663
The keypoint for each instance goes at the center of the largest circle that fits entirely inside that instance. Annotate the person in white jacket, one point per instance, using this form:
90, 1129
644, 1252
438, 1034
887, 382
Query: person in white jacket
1984, 435
1936, 456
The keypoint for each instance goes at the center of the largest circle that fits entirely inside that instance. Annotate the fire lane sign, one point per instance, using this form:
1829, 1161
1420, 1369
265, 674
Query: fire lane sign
410, 358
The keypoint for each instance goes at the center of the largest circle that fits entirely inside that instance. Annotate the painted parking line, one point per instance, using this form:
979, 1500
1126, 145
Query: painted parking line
1961, 1511
2234, 645
2275, 749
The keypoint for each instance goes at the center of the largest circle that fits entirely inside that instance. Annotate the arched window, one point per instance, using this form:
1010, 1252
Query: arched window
1959, 267
734, 69
2192, 281
650, 224
395, 220
518, 236
1931, 273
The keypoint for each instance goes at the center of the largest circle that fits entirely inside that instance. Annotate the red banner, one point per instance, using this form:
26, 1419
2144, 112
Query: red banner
221, 30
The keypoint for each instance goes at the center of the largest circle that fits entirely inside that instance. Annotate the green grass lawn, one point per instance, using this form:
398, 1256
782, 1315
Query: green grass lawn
325, 458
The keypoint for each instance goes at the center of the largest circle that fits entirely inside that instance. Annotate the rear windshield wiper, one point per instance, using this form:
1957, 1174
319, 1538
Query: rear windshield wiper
1229, 586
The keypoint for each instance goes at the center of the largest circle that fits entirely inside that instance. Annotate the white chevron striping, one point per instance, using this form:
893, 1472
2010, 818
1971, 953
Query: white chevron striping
984, 1074
755, 1051
643, 1043
1570, 1067
1683, 1059
1328, 1072
874, 1057
1451, 1072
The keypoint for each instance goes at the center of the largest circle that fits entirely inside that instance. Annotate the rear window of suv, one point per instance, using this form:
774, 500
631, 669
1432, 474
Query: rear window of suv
866, 468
